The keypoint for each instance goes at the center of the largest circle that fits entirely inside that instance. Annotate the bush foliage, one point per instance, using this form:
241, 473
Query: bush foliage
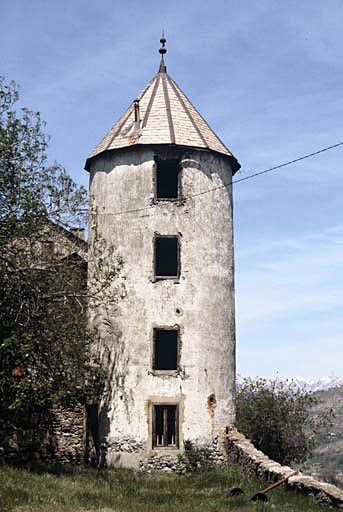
277, 418
195, 458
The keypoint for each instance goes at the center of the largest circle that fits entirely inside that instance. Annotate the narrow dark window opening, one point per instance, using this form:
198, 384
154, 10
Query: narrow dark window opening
92, 433
167, 179
47, 250
166, 257
165, 426
165, 349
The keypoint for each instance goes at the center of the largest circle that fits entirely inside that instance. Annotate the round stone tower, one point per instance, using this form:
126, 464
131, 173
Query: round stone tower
160, 184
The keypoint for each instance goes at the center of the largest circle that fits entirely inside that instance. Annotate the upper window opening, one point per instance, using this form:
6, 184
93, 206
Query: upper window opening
165, 349
167, 179
167, 257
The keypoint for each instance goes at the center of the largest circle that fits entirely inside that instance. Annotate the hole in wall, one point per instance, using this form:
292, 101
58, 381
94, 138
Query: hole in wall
211, 400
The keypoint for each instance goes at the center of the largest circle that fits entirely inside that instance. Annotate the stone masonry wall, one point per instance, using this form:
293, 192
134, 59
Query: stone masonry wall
58, 436
242, 452
169, 463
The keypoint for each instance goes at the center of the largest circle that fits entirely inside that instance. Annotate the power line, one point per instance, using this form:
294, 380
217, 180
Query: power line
270, 169
224, 185
292, 161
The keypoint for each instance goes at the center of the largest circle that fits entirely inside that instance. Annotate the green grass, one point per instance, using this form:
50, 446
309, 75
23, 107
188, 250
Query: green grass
86, 490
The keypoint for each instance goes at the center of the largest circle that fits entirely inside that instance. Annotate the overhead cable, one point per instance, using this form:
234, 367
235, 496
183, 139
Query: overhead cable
225, 185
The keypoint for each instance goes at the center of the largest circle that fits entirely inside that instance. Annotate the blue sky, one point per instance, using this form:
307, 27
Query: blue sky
267, 76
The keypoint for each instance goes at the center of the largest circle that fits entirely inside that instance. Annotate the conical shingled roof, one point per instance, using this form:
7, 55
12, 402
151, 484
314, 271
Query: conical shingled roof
166, 117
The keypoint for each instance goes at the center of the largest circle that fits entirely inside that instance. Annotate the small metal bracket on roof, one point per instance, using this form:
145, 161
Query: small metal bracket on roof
162, 51
135, 130
137, 116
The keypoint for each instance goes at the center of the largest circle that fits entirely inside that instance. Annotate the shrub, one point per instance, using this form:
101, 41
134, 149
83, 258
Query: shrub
195, 458
277, 417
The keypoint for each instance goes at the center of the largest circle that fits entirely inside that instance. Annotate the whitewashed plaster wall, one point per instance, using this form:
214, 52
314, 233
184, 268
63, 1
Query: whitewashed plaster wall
201, 302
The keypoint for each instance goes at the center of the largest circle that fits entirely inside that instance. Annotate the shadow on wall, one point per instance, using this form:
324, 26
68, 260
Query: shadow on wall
115, 360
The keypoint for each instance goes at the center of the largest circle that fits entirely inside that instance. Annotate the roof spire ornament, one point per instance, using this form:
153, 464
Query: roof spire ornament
163, 50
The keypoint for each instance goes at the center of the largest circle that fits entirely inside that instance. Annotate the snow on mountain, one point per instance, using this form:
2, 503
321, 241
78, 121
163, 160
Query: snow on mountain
315, 384
310, 384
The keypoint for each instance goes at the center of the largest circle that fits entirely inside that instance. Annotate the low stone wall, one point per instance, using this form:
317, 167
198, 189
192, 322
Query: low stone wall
127, 452
217, 457
57, 436
253, 462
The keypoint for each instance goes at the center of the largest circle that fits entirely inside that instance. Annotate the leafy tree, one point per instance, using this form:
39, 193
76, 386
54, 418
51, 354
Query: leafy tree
277, 418
45, 344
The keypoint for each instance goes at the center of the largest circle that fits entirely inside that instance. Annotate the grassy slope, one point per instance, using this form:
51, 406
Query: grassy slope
328, 456
124, 491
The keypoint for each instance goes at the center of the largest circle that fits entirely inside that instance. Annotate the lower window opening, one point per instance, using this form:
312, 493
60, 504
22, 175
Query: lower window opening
165, 426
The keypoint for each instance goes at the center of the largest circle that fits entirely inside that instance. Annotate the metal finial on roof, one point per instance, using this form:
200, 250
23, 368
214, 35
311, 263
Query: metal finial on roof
163, 50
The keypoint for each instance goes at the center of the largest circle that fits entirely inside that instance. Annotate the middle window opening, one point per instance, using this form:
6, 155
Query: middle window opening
167, 257
165, 354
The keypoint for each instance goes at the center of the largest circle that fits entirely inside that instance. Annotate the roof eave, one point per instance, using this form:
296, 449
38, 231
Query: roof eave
235, 165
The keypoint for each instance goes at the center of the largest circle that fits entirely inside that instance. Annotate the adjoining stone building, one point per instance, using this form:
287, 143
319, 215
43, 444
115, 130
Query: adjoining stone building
58, 435
160, 187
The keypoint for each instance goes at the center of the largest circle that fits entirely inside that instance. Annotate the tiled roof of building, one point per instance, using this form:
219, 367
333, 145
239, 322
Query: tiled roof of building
162, 114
